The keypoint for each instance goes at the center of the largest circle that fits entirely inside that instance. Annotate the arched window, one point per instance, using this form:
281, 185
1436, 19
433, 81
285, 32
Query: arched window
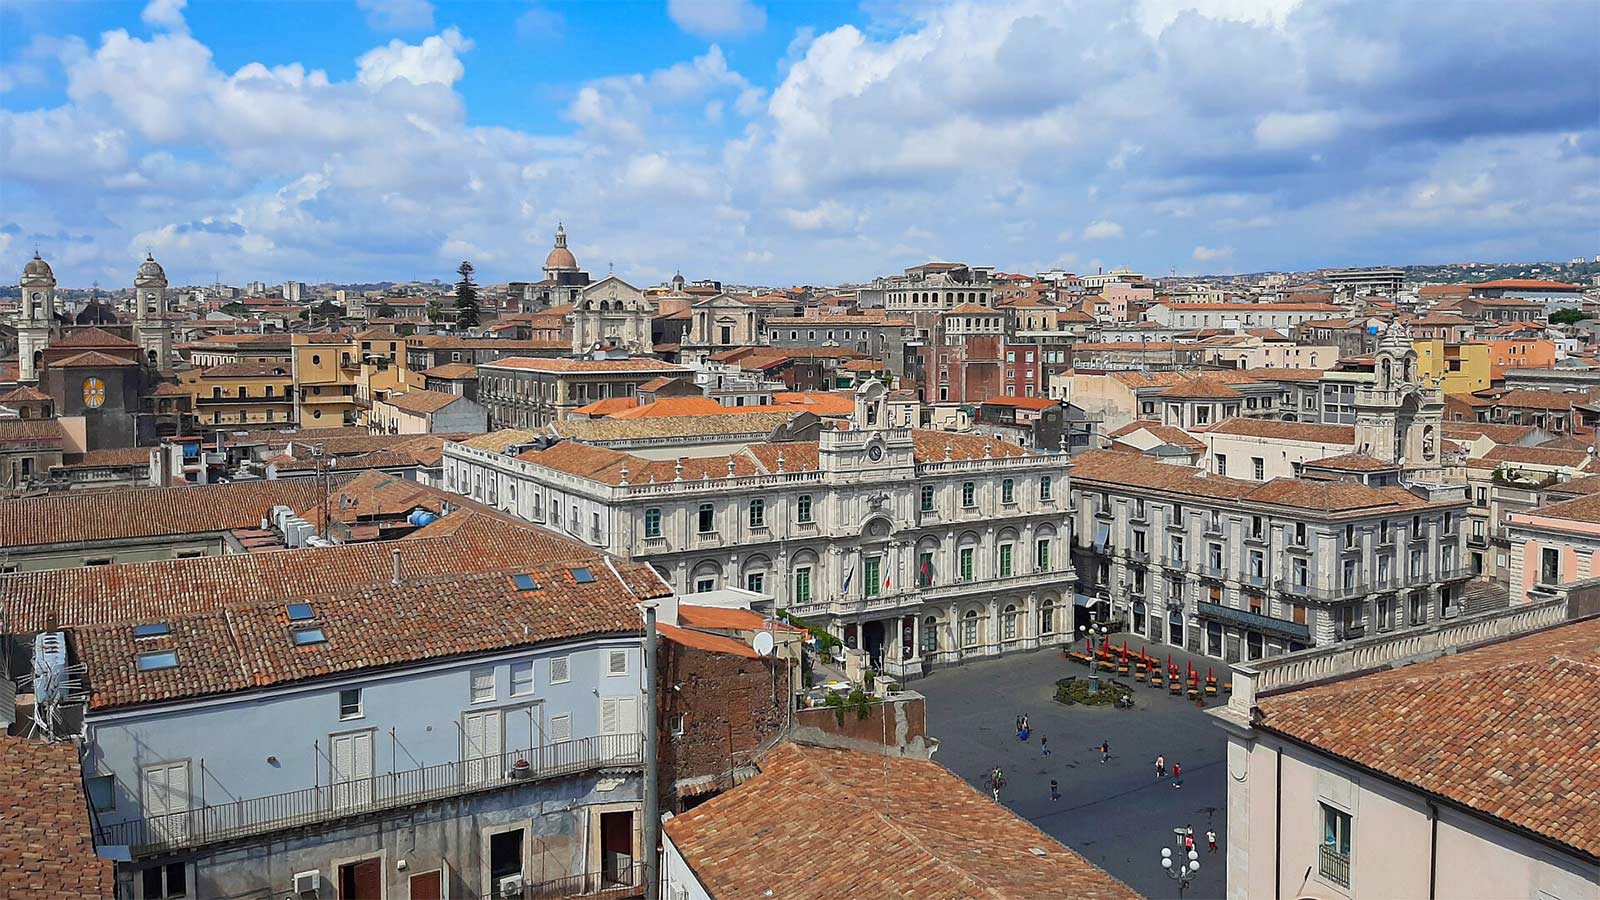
1008, 622
1047, 617
930, 634
969, 629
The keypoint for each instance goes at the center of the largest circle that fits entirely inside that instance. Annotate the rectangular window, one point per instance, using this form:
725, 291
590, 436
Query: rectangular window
522, 678
482, 685
167, 881
560, 729
969, 494
1549, 565
802, 584
871, 568
102, 791
1222, 464
1175, 549
707, 518
616, 662
560, 670
925, 568
1045, 487
652, 523
1258, 467
1333, 862
1300, 533
1008, 491
755, 582
1041, 554
927, 498
1349, 536
965, 558
1299, 570
350, 703
758, 513
803, 509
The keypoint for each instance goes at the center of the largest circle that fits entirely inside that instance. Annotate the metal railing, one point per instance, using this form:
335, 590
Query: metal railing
621, 879
309, 806
1333, 865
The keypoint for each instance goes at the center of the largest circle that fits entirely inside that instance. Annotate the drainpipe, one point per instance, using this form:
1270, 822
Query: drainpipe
1433, 847
1277, 828
652, 802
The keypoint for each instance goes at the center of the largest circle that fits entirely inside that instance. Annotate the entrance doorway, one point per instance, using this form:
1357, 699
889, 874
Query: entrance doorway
616, 847
872, 642
361, 880
427, 885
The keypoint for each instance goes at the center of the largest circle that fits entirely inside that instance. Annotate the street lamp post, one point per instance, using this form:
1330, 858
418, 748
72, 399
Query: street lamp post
1094, 632
1179, 870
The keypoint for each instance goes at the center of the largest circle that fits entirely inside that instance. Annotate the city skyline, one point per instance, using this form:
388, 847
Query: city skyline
773, 143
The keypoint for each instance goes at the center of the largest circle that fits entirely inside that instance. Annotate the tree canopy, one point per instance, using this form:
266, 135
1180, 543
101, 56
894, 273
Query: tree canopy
466, 297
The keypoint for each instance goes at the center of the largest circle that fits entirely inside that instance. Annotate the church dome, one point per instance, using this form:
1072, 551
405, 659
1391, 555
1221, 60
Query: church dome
150, 269
560, 258
37, 269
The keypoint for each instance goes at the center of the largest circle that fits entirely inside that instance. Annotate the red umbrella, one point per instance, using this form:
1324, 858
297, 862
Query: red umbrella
1191, 670
1208, 673
1144, 656
1124, 652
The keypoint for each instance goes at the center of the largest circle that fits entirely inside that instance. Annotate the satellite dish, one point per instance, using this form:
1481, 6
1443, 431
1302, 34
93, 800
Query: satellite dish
762, 643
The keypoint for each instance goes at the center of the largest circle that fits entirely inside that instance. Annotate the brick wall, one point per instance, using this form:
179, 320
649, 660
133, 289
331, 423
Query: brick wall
731, 706
897, 726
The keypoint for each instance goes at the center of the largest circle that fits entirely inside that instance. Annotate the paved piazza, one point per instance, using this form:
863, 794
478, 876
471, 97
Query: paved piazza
1115, 813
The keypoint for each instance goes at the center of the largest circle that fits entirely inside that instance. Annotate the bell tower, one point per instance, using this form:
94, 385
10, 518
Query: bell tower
37, 317
151, 330
1399, 415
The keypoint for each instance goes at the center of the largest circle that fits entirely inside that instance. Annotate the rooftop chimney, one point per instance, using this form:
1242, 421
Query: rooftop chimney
394, 557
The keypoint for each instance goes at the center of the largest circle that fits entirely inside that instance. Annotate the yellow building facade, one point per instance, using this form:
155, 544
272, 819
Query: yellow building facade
1460, 368
245, 393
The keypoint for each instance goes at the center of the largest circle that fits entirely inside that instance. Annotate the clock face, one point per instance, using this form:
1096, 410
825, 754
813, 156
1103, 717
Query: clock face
38, 296
875, 453
94, 393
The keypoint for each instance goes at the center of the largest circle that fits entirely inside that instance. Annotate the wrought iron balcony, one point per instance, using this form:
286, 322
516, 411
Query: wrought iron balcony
210, 824
1333, 865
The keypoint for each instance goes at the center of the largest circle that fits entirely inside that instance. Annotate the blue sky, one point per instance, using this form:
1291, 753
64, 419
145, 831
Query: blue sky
787, 142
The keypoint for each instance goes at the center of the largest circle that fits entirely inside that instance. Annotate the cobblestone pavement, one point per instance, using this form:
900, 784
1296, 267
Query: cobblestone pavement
1115, 813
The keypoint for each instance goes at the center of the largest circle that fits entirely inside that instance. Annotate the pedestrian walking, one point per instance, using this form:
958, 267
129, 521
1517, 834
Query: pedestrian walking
1211, 840
1044, 745
1055, 794
1105, 750
1161, 766
1188, 838
1177, 774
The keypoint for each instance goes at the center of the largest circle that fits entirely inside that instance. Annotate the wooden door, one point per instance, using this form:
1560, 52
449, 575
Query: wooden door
361, 881
427, 886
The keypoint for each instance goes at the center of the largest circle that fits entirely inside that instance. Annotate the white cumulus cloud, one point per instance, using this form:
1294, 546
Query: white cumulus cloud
165, 14
715, 18
434, 61
1207, 254
397, 15
1102, 229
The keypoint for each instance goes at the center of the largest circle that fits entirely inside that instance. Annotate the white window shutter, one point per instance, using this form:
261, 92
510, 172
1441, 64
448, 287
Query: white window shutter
617, 662
608, 717
561, 729
560, 669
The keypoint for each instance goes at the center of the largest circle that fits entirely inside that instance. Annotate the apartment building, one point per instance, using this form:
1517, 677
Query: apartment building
245, 393
426, 412
522, 392
1234, 316
413, 724
1240, 569
919, 547
1361, 779
222, 349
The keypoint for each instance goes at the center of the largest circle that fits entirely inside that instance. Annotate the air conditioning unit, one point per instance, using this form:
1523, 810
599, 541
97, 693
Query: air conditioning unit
307, 882
509, 888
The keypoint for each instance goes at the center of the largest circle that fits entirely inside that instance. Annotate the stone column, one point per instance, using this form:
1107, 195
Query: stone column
1029, 632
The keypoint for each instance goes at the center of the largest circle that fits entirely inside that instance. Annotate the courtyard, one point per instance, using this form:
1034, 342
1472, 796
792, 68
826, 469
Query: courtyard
1115, 813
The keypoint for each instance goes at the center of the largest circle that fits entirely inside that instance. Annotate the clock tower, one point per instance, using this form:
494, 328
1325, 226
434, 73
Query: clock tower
37, 317
872, 449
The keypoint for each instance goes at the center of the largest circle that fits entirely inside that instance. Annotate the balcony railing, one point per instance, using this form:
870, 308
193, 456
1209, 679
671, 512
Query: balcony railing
620, 878
1333, 865
241, 818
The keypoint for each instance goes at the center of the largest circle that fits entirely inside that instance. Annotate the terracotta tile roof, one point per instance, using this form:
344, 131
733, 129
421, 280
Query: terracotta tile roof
91, 359
366, 627
585, 365
1274, 429
247, 370
1540, 456
656, 384
91, 337
727, 619
1530, 399
130, 593
1167, 434
28, 433
168, 389
456, 371
929, 446
115, 457
1111, 468
863, 365
720, 425
1254, 307
854, 824
47, 845
1525, 284
1268, 374
1500, 434
1201, 388
421, 402
711, 643
1511, 730
822, 403
607, 406
1333, 496
23, 394
1138, 380
972, 309
1444, 290
1352, 462
673, 406
498, 441
146, 512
